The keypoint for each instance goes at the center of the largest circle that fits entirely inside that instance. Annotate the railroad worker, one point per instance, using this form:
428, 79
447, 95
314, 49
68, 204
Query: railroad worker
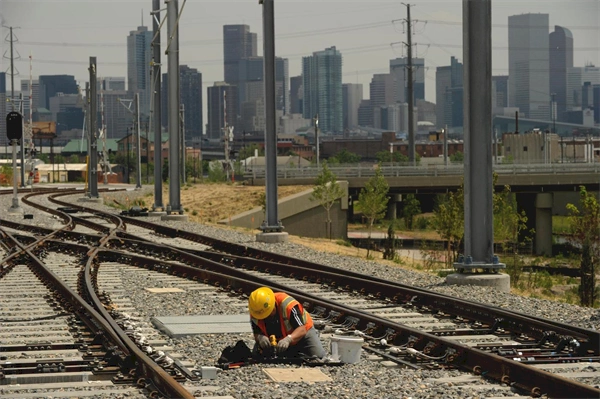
278, 314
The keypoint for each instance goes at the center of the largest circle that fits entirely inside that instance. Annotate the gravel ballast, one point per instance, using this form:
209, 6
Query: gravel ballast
367, 379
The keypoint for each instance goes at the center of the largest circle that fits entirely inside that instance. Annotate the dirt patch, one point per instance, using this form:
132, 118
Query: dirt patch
209, 203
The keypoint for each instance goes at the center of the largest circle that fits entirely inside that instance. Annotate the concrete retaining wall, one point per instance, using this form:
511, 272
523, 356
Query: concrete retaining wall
300, 216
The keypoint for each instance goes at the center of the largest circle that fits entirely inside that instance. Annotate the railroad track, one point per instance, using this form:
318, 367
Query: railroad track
443, 329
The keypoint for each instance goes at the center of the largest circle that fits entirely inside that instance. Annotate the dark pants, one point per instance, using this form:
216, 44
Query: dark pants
309, 346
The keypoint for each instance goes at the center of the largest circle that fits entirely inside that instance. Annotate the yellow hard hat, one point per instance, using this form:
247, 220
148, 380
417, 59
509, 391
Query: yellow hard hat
261, 303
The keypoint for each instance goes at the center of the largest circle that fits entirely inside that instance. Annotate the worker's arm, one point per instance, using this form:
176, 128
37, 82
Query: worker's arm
298, 334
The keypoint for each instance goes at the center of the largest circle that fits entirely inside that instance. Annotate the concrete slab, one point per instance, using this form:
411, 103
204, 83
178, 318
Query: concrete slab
120, 392
156, 213
296, 375
498, 281
175, 217
272, 238
163, 290
182, 326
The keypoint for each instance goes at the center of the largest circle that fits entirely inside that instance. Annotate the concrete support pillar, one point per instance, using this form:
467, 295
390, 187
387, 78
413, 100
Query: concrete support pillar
543, 224
392, 212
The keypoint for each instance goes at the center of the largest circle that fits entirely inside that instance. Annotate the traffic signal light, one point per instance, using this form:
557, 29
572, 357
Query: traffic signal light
14, 126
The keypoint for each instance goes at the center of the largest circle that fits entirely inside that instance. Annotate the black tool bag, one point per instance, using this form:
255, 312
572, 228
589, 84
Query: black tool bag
235, 353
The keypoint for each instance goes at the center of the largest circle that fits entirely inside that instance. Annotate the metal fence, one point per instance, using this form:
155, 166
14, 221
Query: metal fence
395, 170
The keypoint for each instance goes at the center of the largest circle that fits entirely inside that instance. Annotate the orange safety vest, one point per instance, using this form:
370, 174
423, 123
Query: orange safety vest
284, 304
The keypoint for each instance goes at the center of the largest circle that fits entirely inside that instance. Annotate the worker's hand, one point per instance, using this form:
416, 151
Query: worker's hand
284, 344
263, 342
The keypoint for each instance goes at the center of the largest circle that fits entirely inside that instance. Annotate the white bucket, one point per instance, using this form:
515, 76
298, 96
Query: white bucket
346, 349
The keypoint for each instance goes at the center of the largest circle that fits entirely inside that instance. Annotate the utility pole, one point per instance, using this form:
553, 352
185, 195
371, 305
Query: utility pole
12, 71
316, 120
22, 144
478, 183
136, 125
182, 123
410, 89
174, 209
93, 170
138, 143
446, 146
156, 109
272, 229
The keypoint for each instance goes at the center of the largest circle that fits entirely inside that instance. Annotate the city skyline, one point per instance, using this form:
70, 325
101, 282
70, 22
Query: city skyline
363, 34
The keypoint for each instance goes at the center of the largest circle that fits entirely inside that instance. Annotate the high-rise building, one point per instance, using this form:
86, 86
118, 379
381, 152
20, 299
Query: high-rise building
561, 59
117, 119
596, 102
499, 91
3, 110
250, 71
190, 92
576, 77
352, 95
399, 70
35, 84
365, 113
296, 94
111, 83
322, 81
238, 43
447, 79
219, 95
382, 90
528, 65
50, 85
139, 57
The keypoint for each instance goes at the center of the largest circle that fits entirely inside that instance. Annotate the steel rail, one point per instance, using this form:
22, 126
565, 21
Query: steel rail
508, 371
144, 365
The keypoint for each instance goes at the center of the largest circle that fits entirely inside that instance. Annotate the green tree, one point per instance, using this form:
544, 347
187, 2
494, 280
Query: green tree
449, 221
390, 242
43, 157
386, 156
412, 207
584, 224
372, 200
327, 192
74, 158
345, 156
216, 173
6, 171
248, 151
457, 157
165, 170
510, 228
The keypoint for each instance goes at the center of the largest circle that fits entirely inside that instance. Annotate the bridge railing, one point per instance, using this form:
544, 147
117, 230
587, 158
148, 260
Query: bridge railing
394, 170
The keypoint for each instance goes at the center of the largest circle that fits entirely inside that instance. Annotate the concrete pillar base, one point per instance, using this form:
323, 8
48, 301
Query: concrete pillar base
156, 213
501, 282
272, 238
88, 199
175, 216
15, 211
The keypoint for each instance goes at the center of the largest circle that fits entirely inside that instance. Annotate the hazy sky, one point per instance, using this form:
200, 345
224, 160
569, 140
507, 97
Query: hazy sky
62, 35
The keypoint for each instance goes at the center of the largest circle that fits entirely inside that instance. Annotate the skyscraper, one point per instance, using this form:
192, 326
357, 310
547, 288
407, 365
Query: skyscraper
250, 71
296, 94
561, 58
35, 84
352, 95
322, 81
216, 108
139, 57
382, 90
448, 81
52, 84
190, 89
399, 70
238, 43
528, 65
499, 91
